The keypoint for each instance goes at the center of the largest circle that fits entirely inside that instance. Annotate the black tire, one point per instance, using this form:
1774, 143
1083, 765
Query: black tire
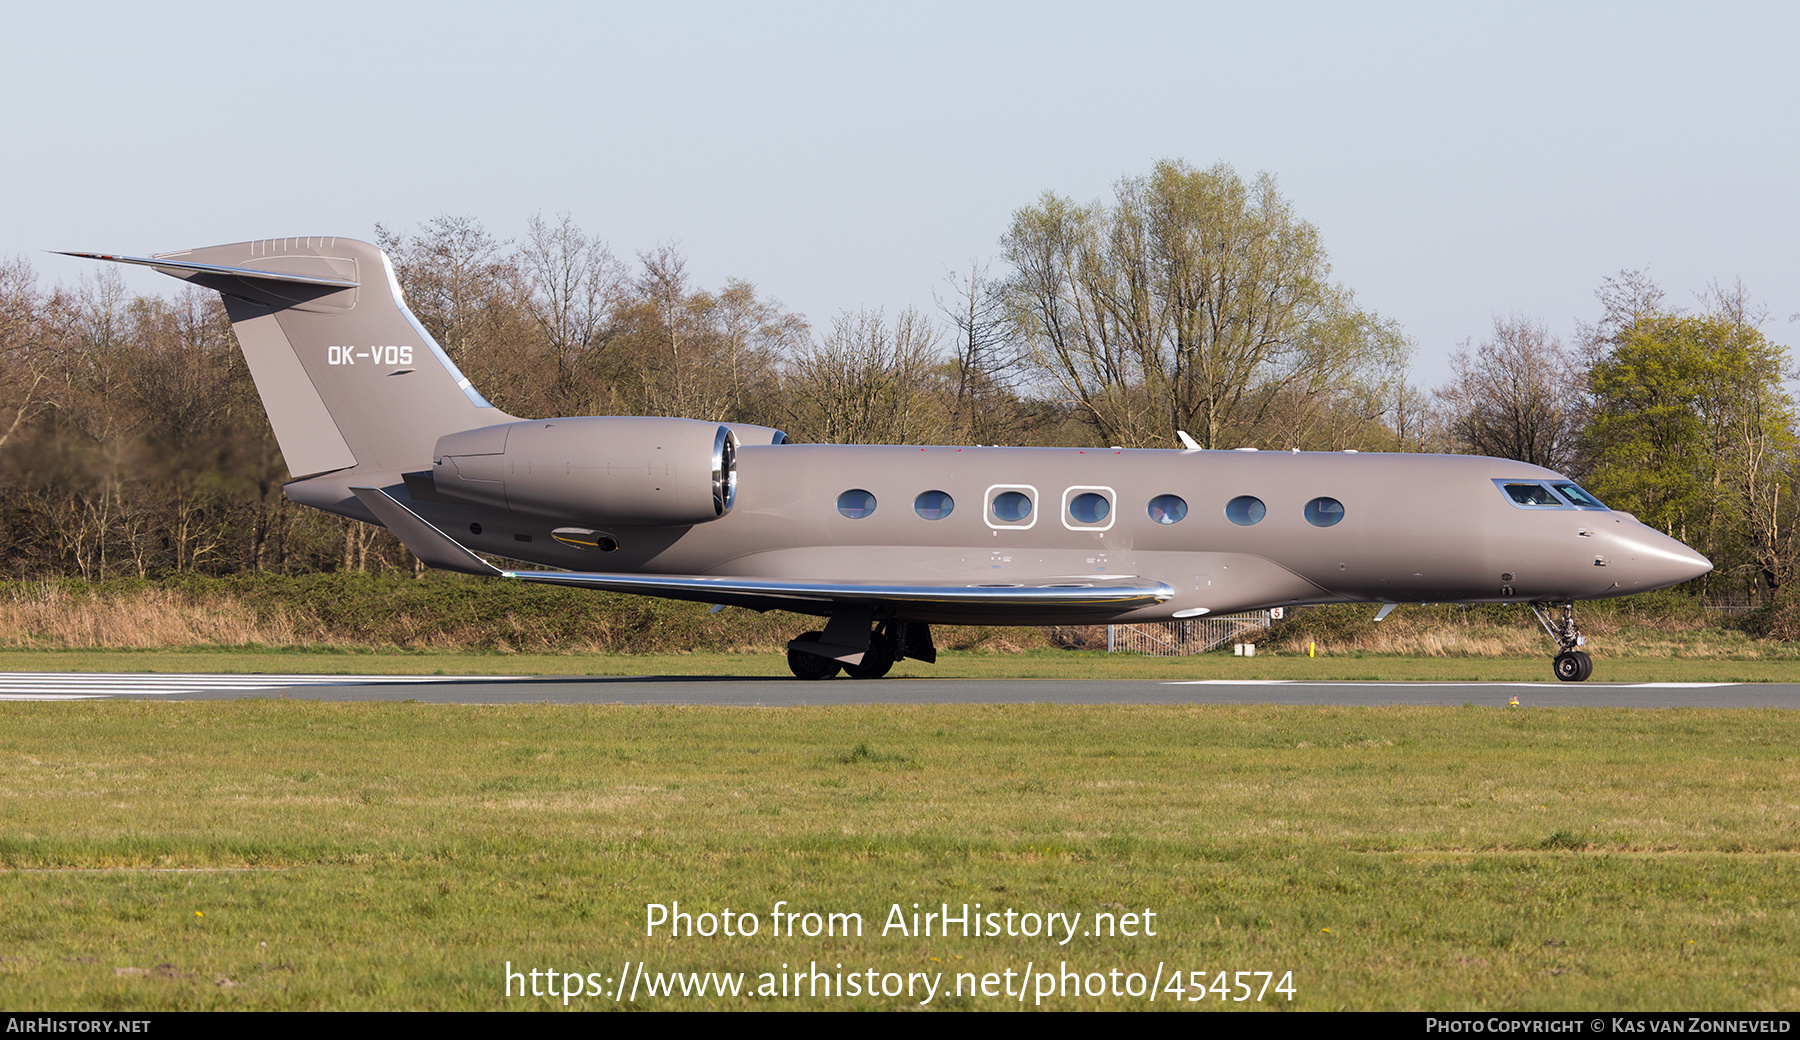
876, 662
1572, 666
1587, 665
810, 666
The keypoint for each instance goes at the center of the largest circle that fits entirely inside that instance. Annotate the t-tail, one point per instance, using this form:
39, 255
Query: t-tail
354, 386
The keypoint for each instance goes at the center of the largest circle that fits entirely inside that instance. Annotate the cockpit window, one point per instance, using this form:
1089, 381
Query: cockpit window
1538, 494
1531, 495
1574, 493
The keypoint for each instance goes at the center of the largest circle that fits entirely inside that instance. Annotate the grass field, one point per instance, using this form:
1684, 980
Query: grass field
265, 854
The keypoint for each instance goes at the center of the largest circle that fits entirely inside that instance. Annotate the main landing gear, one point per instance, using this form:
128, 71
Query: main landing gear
853, 643
1571, 664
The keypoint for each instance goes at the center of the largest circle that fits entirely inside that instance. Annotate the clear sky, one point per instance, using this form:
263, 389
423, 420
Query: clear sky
1461, 160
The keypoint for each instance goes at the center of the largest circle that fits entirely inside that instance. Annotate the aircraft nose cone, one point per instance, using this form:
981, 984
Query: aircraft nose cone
1658, 561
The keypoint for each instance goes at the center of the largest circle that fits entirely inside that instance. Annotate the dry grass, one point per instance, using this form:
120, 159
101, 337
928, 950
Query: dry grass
1642, 627
438, 614
49, 616
453, 615
1422, 641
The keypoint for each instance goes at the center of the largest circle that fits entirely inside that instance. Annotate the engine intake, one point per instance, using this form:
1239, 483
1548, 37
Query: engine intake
612, 470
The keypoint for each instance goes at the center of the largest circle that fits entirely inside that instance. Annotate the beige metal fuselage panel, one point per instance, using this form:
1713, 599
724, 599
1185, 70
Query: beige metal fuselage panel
378, 423
1415, 528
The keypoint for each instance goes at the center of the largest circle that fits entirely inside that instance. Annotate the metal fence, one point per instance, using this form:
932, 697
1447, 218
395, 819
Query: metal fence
1193, 636
1733, 602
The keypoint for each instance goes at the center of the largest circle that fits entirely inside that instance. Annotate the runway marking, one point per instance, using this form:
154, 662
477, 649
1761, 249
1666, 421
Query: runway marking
74, 686
1417, 685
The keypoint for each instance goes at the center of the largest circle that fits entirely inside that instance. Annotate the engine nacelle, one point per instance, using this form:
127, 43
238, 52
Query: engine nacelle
625, 471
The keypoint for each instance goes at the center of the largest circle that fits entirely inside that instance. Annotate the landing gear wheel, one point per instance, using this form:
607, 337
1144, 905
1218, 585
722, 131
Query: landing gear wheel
1570, 665
810, 666
876, 662
1573, 666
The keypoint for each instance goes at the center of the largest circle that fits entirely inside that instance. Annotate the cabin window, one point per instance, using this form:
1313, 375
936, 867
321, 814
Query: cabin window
856, 503
1578, 495
1245, 510
933, 505
1167, 509
1012, 506
1530, 494
1324, 512
1089, 508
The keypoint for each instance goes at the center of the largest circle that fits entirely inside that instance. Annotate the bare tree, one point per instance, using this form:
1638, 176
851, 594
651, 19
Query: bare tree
1518, 396
985, 361
867, 382
572, 282
1625, 299
753, 333
682, 354
30, 347
455, 275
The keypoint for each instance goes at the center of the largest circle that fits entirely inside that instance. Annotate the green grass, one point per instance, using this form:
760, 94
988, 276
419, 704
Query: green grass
402, 853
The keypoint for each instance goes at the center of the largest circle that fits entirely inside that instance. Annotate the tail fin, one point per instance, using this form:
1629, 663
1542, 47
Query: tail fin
348, 376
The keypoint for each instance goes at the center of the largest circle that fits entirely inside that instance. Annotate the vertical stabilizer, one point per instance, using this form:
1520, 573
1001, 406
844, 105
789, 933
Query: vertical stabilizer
348, 376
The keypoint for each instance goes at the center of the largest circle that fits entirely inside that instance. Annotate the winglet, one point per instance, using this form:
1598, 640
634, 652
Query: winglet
432, 546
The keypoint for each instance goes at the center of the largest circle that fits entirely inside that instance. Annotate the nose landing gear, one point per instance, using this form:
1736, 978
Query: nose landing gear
1571, 664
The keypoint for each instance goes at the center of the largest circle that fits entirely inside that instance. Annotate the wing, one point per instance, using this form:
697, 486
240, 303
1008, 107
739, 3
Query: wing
1076, 595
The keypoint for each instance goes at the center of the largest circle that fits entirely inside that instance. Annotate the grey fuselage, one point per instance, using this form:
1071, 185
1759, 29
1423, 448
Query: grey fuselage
365, 405
1415, 528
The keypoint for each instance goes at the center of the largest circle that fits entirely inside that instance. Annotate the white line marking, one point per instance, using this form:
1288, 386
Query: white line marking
61, 686
1418, 685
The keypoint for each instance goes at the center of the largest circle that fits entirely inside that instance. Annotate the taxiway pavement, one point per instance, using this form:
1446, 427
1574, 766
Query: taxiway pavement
783, 692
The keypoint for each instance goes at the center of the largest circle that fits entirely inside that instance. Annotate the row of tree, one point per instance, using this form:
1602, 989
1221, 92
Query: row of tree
132, 441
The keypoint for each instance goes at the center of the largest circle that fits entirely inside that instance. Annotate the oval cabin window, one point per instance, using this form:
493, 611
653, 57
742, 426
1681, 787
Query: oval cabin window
933, 505
1089, 508
1167, 509
856, 504
1245, 510
1324, 512
1011, 507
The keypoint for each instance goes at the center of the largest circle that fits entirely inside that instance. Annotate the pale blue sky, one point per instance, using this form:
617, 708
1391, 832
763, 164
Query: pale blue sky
1460, 160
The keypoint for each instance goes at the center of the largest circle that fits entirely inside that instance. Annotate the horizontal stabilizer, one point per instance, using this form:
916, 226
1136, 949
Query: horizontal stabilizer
1052, 595
190, 271
275, 289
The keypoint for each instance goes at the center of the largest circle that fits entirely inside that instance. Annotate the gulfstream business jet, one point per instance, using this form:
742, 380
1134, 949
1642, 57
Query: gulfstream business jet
882, 541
